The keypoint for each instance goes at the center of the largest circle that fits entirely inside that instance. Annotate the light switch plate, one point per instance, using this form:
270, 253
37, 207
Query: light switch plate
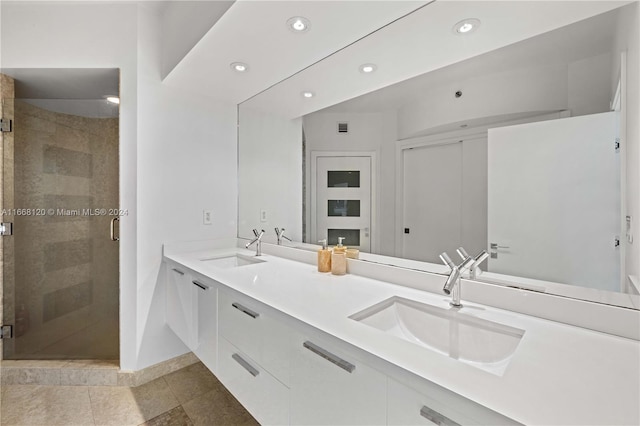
207, 217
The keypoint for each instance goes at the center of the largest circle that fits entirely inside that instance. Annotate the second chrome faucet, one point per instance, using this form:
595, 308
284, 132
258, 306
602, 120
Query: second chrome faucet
452, 284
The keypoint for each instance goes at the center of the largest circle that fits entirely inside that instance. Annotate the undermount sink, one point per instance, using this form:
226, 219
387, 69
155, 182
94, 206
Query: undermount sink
478, 342
232, 261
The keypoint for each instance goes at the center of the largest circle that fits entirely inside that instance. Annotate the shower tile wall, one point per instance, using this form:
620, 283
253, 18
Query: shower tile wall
66, 266
7, 92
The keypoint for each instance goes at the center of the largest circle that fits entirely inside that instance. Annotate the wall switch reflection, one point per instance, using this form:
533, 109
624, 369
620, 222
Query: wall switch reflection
263, 215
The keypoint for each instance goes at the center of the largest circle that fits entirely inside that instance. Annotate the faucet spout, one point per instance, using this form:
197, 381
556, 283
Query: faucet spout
452, 284
257, 241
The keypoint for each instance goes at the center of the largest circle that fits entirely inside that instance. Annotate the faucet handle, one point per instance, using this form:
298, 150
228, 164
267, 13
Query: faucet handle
462, 253
447, 260
255, 232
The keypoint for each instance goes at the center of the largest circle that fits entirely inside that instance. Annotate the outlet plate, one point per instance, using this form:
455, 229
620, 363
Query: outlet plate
263, 215
207, 217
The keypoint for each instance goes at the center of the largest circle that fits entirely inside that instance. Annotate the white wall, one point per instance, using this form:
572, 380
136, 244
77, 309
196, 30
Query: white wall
270, 174
184, 23
175, 148
589, 90
367, 132
186, 163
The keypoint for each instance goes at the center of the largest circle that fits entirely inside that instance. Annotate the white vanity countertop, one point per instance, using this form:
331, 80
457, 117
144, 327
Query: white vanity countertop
558, 375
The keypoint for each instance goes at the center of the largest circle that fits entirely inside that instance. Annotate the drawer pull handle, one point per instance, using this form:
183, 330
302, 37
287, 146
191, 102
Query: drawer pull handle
245, 365
199, 284
178, 271
247, 311
436, 417
345, 365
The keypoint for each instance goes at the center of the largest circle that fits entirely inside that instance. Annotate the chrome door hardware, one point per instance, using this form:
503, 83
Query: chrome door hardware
247, 311
494, 249
245, 365
6, 125
114, 237
6, 332
345, 365
6, 228
435, 417
199, 284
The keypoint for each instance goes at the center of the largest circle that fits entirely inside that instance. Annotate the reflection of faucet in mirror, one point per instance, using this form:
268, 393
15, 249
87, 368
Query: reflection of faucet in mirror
474, 270
280, 235
257, 240
452, 285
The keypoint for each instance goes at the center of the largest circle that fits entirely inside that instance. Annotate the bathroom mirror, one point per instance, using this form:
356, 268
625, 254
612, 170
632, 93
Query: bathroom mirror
418, 139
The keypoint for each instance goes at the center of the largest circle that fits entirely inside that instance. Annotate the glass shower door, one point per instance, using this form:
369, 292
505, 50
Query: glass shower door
60, 265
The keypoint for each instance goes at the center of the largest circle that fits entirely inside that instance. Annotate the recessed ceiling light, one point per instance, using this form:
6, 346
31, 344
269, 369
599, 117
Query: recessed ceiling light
299, 24
308, 94
113, 99
368, 68
466, 26
240, 67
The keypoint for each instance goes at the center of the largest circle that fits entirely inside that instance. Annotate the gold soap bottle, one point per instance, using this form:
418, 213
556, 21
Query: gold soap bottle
339, 258
324, 258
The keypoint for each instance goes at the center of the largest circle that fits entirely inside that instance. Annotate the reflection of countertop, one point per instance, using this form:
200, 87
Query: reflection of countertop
559, 374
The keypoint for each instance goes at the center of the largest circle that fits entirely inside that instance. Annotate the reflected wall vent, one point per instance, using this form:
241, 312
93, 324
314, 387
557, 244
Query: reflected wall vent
343, 127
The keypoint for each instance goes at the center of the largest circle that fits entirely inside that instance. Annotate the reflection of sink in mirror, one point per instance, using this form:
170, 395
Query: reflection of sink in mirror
481, 343
233, 261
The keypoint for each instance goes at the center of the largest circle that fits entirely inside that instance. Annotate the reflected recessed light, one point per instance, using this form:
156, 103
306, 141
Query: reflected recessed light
466, 26
308, 94
368, 68
113, 99
299, 24
240, 67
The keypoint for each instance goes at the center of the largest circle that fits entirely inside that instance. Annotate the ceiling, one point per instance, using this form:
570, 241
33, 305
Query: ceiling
255, 32
584, 39
64, 83
420, 43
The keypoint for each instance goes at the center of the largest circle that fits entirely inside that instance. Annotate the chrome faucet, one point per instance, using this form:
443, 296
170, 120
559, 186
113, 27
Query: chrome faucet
280, 235
452, 285
257, 241
475, 266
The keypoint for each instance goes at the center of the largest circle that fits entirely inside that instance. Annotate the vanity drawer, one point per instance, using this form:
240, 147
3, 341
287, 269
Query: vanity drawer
407, 406
261, 394
252, 328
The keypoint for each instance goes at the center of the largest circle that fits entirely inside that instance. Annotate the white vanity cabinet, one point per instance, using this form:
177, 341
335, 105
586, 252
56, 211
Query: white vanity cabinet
191, 312
266, 398
431, 404
205, 327
179, 302
329, 386
253, 329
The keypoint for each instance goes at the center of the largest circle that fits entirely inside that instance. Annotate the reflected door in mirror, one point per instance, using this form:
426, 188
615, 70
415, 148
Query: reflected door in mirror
342, 204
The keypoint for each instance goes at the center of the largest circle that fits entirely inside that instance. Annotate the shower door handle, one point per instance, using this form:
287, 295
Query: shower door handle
113, 229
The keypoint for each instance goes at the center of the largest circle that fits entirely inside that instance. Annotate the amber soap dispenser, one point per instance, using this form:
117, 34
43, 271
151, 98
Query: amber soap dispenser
324, 258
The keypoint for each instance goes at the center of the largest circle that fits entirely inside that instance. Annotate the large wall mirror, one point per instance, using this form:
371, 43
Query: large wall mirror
514, 137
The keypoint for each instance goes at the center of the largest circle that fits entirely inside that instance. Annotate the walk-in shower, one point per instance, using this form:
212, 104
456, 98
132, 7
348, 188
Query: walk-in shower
60, 201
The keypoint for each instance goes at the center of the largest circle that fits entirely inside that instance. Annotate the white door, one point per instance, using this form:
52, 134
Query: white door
554, 201
432, 197
343, 201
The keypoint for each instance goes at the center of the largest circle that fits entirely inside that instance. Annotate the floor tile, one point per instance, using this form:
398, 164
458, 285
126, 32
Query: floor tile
46, 405
191, 381
217, 407
174, 417
131, 406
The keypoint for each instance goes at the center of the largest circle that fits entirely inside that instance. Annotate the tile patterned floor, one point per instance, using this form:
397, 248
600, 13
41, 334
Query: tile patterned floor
191, 396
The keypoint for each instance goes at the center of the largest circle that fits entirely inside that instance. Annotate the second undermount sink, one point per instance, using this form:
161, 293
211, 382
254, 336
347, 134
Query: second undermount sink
478, 342
232, 261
